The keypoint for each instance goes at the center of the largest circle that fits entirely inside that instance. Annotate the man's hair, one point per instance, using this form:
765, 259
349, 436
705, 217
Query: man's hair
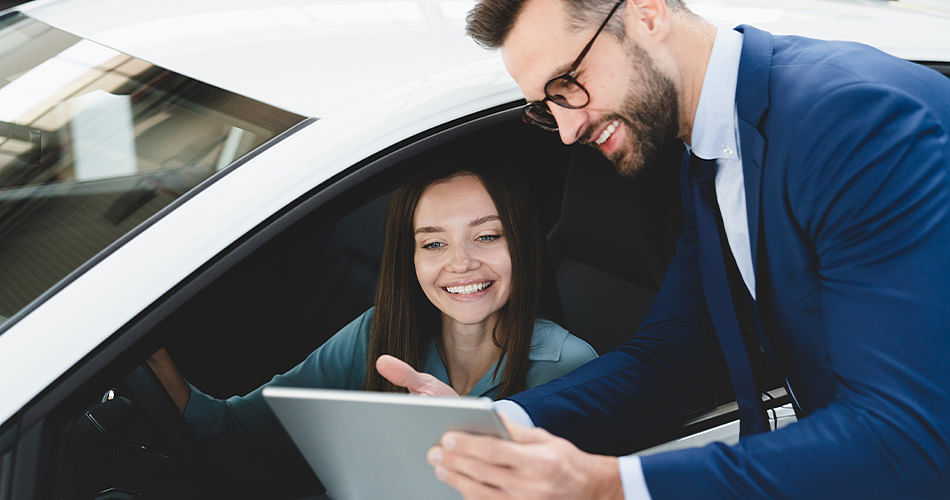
490, 21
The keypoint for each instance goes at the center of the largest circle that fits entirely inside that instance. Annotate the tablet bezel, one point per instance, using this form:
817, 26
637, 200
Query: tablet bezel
365, 444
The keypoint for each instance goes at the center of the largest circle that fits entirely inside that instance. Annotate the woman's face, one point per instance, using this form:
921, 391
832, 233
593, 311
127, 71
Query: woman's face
461, 253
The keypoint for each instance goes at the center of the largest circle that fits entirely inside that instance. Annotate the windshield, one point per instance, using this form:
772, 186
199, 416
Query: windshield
93, 142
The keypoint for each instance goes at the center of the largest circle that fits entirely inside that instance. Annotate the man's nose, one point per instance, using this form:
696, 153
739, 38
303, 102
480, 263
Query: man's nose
570, 123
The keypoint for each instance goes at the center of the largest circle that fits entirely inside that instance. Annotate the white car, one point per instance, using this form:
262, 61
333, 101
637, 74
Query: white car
211, 177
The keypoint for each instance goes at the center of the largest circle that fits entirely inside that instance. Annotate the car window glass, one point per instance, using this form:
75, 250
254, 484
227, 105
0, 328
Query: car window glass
93, 142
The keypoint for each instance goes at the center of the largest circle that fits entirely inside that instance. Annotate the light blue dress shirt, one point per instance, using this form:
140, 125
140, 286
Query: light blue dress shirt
230, 429
715, 136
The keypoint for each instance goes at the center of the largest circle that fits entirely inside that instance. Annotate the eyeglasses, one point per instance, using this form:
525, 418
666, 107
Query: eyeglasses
563, 90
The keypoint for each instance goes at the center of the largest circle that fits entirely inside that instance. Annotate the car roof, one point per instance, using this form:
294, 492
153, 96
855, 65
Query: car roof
319, 57
312, 57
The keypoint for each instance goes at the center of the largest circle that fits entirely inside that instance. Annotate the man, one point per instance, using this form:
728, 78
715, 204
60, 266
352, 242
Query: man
817, 199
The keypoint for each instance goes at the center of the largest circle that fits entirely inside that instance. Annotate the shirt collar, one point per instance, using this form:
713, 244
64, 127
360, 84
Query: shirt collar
715, 123
487, 386
546, 342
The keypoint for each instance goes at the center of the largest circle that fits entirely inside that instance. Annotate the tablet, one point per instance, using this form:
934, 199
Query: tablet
373, 445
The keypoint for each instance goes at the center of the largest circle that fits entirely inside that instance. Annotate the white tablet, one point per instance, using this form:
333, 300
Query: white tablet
372, 445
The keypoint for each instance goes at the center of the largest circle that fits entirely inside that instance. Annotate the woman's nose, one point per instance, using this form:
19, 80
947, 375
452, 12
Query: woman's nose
462, 259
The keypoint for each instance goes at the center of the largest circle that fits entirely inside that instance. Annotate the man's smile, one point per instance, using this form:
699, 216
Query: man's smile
607, 132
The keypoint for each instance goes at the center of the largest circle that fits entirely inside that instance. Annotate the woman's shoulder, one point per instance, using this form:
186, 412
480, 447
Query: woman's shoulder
554, 353
551, 342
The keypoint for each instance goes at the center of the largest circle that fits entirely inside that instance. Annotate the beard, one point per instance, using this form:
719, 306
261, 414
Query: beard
650, 111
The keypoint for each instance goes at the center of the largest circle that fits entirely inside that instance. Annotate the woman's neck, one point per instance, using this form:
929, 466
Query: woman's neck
468, 351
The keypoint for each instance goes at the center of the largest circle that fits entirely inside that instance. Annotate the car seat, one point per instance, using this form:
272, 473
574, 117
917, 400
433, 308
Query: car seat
612, 244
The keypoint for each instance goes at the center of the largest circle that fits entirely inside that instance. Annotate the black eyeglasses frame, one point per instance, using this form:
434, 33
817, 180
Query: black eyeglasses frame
538, 113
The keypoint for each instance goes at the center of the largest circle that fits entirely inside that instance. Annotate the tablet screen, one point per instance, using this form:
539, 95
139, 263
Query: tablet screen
373, 445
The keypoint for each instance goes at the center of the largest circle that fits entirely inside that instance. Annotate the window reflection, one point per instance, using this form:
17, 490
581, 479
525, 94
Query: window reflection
93, 142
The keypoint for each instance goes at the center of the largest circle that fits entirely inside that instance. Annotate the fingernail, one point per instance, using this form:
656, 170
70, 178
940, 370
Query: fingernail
440, 473
448, 441
435, 457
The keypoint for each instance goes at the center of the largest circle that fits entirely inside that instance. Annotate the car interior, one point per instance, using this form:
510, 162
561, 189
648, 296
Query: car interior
110, 431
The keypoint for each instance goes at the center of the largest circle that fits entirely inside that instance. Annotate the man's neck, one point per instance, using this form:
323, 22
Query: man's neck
691, 45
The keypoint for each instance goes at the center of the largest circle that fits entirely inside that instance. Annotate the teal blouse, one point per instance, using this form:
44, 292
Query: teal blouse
232, 428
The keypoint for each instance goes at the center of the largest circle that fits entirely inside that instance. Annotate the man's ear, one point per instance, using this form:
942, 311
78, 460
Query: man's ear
648, 18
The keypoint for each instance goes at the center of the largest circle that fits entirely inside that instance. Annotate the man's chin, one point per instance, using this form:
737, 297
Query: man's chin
626, 163
630, 163
633, 162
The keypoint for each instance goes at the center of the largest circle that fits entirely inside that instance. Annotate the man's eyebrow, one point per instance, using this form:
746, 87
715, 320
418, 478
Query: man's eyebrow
558, 71
481, 220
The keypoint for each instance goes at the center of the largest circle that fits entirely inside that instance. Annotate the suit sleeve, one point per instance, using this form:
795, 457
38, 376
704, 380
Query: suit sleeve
607, 402
872, 192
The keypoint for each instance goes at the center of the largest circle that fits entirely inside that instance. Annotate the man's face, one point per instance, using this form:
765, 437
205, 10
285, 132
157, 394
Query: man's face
633, 110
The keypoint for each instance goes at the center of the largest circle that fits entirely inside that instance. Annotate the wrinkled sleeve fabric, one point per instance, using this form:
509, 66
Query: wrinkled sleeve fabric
872, 191
239, 429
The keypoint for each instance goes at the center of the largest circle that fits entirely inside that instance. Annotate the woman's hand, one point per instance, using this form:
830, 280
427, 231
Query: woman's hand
166, 371
400, 373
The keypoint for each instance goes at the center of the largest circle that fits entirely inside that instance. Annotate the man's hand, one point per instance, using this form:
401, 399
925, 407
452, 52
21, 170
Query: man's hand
533, 465
400, 373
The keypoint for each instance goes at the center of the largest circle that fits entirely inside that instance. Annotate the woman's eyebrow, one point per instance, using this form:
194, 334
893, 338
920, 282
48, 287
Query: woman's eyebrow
429, 229
481, 220
475, 222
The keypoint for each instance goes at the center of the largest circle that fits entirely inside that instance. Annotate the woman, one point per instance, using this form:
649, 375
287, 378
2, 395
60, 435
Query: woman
457, 298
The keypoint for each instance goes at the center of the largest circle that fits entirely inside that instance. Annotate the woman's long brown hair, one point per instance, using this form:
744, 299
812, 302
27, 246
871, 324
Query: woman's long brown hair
405, 322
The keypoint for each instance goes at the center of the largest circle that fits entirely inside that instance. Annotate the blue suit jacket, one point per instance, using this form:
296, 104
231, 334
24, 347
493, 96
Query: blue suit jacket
846, 157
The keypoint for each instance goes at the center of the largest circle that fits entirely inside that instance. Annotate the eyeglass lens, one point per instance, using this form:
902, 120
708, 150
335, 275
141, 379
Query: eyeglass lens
566, 92
563, 91
538, 113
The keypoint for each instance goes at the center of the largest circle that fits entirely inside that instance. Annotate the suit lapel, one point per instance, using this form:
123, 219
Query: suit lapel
753, 151
752, 102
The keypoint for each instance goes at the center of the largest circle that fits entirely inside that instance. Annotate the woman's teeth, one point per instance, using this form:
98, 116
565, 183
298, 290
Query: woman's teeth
607, 132
466, 289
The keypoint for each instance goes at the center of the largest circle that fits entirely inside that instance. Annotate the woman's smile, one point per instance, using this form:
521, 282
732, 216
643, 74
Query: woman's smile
462, 259
468, 289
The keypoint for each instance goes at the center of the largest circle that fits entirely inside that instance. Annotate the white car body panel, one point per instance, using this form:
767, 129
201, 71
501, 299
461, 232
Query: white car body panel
281, 54
727, 433
312, 57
